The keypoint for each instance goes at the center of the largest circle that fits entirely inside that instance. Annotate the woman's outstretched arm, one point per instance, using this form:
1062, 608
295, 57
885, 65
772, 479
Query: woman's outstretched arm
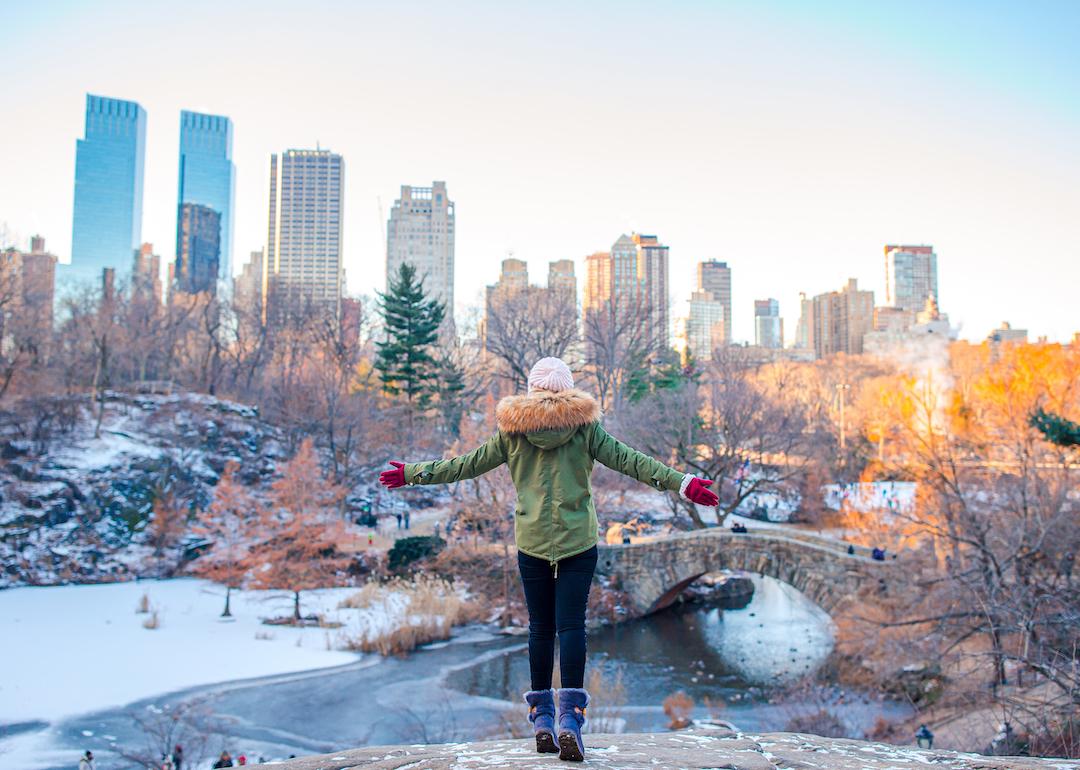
626, 460
488, 456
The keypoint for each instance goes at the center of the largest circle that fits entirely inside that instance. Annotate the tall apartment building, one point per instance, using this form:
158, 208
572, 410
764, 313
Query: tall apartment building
421, 233
804, 330
652, 265
198, 249
513, 278
910, 276
768, 325
303, 246
599, 281
715, 277
146, 275
248, 286
107, 217
705, 325
632, 276
562, 280
28, 284
208, 178
841, 319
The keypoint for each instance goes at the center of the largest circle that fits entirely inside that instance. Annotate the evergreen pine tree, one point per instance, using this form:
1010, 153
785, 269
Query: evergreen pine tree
450, 393
412, 322
1057, 429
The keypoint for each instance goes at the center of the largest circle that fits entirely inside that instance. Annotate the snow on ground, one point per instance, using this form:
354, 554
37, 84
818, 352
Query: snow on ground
869, 496
79, 648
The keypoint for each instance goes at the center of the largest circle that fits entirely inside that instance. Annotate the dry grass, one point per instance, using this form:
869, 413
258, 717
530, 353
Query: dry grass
432, 607
679, 708
264, 636
607, 698
153, 621
143, 606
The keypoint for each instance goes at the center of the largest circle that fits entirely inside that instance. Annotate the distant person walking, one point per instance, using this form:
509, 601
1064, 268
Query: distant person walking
178, 756
550, 438
86, 761
398, 514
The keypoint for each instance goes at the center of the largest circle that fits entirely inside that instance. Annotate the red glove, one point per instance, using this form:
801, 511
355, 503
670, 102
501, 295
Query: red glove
396, 478
698, 491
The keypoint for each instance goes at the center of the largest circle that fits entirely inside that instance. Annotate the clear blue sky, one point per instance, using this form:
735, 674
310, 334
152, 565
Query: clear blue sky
792, 139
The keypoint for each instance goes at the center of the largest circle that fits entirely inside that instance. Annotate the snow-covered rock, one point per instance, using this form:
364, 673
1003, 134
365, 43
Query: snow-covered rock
74, 506
689, 749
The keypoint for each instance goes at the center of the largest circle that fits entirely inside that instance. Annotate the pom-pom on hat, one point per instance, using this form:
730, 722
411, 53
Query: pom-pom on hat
550, 374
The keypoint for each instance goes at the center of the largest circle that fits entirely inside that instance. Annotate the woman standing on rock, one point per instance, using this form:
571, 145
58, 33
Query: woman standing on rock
549, 439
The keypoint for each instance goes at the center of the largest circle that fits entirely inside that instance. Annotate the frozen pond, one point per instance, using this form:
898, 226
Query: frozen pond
470, 687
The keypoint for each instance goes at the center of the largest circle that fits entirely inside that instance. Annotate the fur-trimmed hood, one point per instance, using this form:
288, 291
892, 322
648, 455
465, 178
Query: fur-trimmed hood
544, 410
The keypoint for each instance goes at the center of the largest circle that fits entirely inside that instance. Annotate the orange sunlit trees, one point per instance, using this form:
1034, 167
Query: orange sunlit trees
299, 530
999, 502
227, 523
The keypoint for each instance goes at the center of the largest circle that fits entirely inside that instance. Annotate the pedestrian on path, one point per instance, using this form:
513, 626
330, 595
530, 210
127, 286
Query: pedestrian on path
549, 438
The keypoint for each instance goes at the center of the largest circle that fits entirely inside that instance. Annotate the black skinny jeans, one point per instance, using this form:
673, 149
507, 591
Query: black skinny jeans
557, 606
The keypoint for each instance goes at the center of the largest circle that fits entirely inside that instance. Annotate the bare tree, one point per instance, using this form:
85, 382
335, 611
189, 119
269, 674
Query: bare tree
728, 428
190, 724
997, 501
618, 346
527, 325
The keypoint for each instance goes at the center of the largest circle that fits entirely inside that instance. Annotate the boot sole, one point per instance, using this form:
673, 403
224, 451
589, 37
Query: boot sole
545, 743
568, 748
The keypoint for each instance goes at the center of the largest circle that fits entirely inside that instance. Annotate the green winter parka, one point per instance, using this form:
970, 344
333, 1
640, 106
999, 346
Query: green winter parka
549, 442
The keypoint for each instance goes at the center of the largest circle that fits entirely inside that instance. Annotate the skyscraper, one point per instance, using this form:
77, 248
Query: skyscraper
632, 277
910, 276
107, 221
804, 330
303, 247
421, 233
198, 249
248, 287
714, 276
652, 269
208, 177
562, 280
599, 282
841, 319
27, 285
705, 325
768, 325
146, 276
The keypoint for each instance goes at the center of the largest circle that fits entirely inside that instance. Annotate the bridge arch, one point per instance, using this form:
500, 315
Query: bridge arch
654, 572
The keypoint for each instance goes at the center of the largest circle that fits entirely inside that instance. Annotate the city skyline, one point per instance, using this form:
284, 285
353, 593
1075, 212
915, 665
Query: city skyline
934, 142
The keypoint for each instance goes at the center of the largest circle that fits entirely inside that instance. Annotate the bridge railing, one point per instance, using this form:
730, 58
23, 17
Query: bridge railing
830, 546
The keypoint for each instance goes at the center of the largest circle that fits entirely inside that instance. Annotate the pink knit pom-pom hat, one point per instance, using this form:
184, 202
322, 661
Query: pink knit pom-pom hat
550, 374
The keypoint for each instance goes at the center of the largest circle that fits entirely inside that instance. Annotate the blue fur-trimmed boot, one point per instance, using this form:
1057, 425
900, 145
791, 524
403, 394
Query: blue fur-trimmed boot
572, 704
542, 715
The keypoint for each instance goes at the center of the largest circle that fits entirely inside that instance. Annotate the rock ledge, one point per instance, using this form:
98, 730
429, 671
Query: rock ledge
692, 750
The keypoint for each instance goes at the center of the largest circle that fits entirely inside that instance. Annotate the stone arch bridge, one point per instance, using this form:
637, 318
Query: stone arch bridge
654, 572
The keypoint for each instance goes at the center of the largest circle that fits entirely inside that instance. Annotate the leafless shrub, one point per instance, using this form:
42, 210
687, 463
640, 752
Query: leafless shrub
191, 724
679, 708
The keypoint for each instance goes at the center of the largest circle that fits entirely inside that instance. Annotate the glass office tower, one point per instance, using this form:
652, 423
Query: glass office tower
107, 223
198, 250
208, 177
